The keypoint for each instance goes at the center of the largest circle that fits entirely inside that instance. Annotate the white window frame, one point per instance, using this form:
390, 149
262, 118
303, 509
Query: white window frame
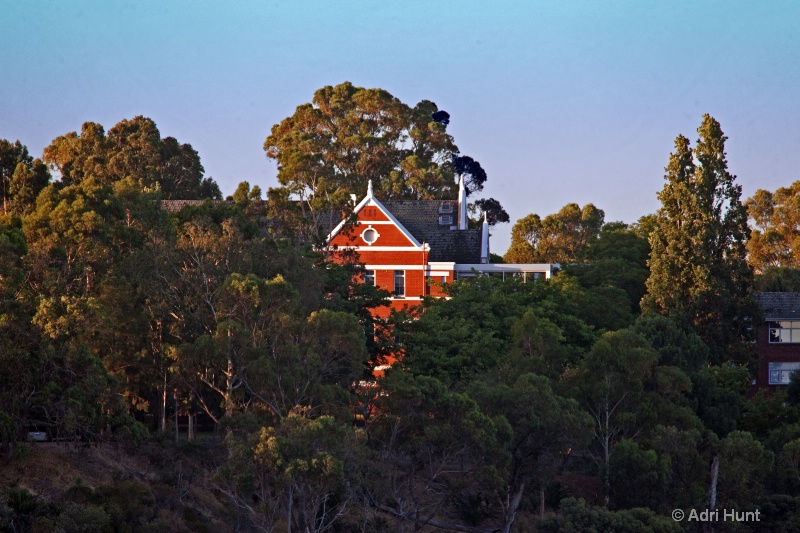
367, 230
781, 372
784, 332
369, 277
399, 274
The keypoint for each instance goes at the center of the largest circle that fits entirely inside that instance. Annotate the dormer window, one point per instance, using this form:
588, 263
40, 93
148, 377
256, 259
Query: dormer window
445, 208
370, 235
445, 220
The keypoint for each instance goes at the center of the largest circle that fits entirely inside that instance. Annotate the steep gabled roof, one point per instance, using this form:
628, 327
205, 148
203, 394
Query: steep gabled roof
419, 221
421, 218
779, 305
370, 200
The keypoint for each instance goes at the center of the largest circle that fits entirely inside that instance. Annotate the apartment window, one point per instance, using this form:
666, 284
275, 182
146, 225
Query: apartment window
784, 331
399, 283
781, 373
369, 277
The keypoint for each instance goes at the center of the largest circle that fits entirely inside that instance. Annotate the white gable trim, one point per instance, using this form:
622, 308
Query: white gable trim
376, 248
370, 201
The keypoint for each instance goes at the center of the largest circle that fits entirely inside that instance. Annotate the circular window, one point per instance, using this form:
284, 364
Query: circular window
369, 235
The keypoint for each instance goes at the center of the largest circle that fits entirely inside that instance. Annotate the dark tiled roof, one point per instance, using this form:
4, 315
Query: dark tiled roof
421, 219
777, 305
328, 220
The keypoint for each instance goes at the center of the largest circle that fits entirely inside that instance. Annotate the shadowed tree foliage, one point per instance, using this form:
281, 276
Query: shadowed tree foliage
610, 383
472, 171
613, 272
545, 428
494, 212
778, 279
481, 327
21, 178
110, 305
11, 154
699, 275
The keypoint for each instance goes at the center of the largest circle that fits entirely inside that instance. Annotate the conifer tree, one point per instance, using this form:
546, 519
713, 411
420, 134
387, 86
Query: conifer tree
699, 275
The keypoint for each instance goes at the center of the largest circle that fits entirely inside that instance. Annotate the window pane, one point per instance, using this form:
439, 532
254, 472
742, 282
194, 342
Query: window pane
781, 373
370, 236
369, 277
399, 283
784, 331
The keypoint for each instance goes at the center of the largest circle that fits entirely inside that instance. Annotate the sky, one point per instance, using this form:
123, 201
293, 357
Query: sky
568, 101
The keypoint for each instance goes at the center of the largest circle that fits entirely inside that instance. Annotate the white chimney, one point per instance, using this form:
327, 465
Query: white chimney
462, 204
485, 240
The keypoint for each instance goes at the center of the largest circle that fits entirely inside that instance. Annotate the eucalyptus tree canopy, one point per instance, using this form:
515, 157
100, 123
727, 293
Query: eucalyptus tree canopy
559, 238
21, 177
346, 136
774, 241
133, 150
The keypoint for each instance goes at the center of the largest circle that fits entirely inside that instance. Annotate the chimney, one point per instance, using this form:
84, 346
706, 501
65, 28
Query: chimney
485, 240
462, 203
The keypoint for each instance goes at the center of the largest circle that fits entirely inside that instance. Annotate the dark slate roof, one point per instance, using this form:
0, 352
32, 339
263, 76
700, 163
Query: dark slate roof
421, 219
328, 220
779, 305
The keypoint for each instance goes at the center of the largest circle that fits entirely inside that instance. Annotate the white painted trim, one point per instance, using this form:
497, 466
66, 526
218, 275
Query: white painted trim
437, 273
507, 267
376, 222
368, 228
510, 268
426, 268
393, 267
381, 248
406, 298
462, 203
370, 200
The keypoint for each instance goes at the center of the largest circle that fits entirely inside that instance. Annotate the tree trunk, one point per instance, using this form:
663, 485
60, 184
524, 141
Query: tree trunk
607, 453
511, 513
162, 426
175, 397
541, 502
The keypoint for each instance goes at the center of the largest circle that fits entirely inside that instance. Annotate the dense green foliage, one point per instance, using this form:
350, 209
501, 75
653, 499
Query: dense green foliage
348, 136
698, 270
559, 238
554, 405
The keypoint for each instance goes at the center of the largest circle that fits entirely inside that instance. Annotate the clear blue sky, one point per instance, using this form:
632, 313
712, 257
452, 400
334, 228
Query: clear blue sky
560, 101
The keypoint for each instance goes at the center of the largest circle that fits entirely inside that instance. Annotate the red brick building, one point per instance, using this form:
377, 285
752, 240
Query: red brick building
778, 338
407, 245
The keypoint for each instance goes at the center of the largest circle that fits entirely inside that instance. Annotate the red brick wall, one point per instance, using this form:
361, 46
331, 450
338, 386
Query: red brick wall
389, 235
369, 214
415, 281
411, 257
